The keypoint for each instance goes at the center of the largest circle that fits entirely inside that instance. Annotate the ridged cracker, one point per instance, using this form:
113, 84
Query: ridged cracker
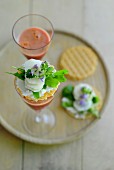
80, 61
44, 97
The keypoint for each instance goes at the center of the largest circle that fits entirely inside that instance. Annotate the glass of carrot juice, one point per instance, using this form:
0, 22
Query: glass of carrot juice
33, 34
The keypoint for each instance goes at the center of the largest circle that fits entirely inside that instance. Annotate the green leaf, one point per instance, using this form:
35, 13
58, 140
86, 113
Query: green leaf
86, 90
50, 69
29, 74
67, 104
95, 99
68, 92
36, 95
44, 86
51, 82
19, 68
94, 112
59, 75
81, 112
15, 67
61, 72
19, 75
60, 78
44, 66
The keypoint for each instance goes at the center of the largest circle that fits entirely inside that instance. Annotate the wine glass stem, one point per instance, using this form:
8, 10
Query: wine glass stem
38, 117
39, 122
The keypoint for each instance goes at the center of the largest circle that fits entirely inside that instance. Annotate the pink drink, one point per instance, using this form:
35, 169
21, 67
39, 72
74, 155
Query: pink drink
40, 104
35, 42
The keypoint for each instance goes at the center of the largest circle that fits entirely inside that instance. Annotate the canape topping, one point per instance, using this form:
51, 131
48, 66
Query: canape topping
80, 100
35, 77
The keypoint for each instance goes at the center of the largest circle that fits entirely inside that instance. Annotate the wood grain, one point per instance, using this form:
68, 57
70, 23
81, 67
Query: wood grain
10, 151
55, 157
10, 11
64, 14
98, 145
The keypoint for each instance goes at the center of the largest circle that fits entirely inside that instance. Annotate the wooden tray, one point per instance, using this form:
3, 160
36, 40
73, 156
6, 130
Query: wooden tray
12, 107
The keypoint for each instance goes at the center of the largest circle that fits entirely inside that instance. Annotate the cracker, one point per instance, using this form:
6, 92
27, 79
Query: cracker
44, 97
80, 61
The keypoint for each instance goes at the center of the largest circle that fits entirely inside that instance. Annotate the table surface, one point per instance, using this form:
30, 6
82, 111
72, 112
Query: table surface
92, 20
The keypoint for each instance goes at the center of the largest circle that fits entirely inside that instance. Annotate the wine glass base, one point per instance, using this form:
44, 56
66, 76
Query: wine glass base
39, 123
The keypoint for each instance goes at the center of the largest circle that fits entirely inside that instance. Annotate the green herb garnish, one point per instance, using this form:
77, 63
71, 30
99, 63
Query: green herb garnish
20, 75
36, 95
86, 90
66, 104
44, 87
50, 69
81, 112
52, 80
29, 74
95, 99
94, 112
44, 66
51, 77
68, 92
59, 75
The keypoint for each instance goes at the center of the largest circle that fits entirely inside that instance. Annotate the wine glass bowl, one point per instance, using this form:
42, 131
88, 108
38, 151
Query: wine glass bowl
39, 120
40, 104
33, 34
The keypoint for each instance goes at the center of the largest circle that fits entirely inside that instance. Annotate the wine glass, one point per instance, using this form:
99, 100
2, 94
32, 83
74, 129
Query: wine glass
33, 34
38, 121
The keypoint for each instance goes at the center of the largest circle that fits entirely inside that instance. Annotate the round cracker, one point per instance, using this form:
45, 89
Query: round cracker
80, 61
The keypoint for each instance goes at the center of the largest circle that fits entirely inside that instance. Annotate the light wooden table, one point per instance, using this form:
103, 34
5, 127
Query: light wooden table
93, 20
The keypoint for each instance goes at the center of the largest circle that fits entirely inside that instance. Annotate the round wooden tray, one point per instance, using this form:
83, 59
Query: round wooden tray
12, 107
